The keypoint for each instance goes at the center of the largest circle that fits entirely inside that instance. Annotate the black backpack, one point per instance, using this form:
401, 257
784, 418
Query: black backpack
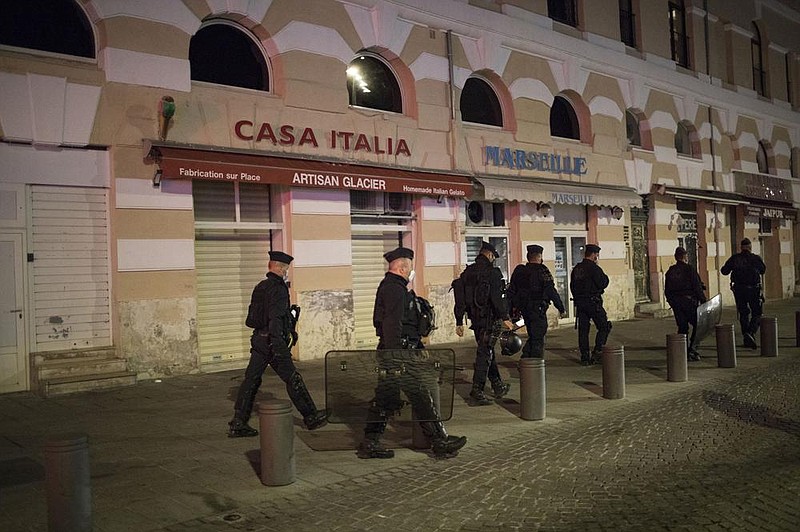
426, 315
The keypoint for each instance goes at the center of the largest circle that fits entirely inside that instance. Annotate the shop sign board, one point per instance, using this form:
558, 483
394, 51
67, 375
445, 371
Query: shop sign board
775, 213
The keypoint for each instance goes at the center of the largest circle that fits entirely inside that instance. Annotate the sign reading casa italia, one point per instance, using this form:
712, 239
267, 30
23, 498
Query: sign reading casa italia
532, 160
289, 135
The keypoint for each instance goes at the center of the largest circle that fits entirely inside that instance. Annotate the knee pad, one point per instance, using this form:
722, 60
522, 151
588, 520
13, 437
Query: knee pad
296, 380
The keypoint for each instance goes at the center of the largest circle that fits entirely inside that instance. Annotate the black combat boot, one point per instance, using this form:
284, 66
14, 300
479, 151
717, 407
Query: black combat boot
370, 447
442, 445
298, 393
500, 388
477, 397
597, 355
749, 341
240, 429
586, 360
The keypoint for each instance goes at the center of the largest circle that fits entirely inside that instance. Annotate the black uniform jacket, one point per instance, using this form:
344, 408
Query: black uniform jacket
276, 308
681, 280
587, 280
532, 283
746, 269
393, 315
498, 307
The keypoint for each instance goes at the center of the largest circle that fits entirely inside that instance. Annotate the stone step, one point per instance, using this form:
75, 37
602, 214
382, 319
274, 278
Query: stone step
651, 310
67, 367
107, 352
85, 383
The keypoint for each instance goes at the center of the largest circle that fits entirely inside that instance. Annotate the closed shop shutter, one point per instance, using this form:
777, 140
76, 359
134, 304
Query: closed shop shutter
69, 242
228, 268
369, 267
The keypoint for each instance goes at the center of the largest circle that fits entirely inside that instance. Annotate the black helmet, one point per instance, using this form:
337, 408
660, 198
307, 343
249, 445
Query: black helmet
510, 343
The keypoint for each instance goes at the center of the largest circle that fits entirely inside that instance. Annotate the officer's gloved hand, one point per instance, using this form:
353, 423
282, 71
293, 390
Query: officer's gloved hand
508, 325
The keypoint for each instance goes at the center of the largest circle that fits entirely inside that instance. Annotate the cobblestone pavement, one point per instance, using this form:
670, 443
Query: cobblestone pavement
718, 455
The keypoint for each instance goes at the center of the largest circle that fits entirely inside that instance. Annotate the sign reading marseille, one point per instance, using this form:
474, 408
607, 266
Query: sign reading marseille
531, 160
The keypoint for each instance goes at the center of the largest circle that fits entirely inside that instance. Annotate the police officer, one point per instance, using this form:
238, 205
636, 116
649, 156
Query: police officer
270, 346
587, 284
530, 292
746, 269
395, 318
480, 293
684, 291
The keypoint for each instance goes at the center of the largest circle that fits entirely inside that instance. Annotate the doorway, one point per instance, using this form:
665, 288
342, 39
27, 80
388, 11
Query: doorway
13, 367
569, 252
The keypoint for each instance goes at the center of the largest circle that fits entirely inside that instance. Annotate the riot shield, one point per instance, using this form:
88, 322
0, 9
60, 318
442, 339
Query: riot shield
708, 316
401, 384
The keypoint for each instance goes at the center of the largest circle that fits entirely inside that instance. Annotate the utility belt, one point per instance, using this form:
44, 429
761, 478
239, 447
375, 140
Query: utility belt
261, 332
409, 342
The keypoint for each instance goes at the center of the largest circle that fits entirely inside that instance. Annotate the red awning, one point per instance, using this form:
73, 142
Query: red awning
186, 163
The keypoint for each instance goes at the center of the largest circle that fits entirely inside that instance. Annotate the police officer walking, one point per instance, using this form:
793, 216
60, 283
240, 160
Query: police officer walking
480, 294
746, 269
587, 284
396, 320
530, 292
684, 291
270, 345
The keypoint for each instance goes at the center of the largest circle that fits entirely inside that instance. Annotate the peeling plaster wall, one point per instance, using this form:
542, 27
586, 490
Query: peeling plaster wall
619, 296
442, 301
326, 322
159, 336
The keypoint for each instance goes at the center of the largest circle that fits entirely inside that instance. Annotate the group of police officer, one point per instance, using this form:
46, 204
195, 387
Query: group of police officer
480, 294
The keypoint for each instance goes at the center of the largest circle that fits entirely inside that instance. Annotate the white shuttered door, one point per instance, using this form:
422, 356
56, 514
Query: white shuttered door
369, 267
71, 267
229, 266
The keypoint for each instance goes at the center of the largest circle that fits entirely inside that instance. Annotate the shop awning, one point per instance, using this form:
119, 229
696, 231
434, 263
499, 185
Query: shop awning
711, 196
553, 192
211, 163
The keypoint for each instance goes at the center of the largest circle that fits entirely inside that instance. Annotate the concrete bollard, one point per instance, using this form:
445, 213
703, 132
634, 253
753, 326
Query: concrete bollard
614, 372
726, 346
677, 366
769, 337
68, 484
276, 432
532, 389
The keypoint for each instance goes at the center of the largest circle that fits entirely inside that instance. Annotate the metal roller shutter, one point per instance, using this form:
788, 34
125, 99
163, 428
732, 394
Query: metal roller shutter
228, 267
69, 236
369, 267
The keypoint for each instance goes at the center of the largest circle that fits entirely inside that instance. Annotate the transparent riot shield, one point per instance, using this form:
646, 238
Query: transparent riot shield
708, 316
407, 384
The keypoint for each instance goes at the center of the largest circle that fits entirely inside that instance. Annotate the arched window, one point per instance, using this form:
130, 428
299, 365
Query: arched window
564, 11
226, 54
49, 25
762, 159
372, 84
480, 104
564, 120
632, 128
682, 142
759, 74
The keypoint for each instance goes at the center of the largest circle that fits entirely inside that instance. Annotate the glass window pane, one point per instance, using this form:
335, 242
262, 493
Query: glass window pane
47, 25
479, 104
225, 55
372, 84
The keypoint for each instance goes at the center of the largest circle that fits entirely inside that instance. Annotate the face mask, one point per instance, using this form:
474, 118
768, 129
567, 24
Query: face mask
411, 275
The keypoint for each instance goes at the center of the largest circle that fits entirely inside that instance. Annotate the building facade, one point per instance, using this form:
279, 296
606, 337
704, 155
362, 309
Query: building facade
152, 155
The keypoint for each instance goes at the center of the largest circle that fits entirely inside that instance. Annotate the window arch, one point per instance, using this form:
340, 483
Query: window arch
243, 63
687, 141
564, 120
373, 84
632, 128
763, 158
47, 25
756, 54
479, 103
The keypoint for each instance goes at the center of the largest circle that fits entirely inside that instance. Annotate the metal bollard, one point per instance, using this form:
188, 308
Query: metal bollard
68, 484
614, 372
677, 365
531, 389
276, 432
726, 346
769, 337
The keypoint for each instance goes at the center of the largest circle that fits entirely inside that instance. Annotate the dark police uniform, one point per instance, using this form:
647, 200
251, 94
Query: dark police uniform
530, 292
486, 317
269, 346
587, 284
396, 320
746, 269
683, 289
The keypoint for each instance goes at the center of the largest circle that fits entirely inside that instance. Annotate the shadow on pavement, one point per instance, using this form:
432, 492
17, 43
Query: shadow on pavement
750, 412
